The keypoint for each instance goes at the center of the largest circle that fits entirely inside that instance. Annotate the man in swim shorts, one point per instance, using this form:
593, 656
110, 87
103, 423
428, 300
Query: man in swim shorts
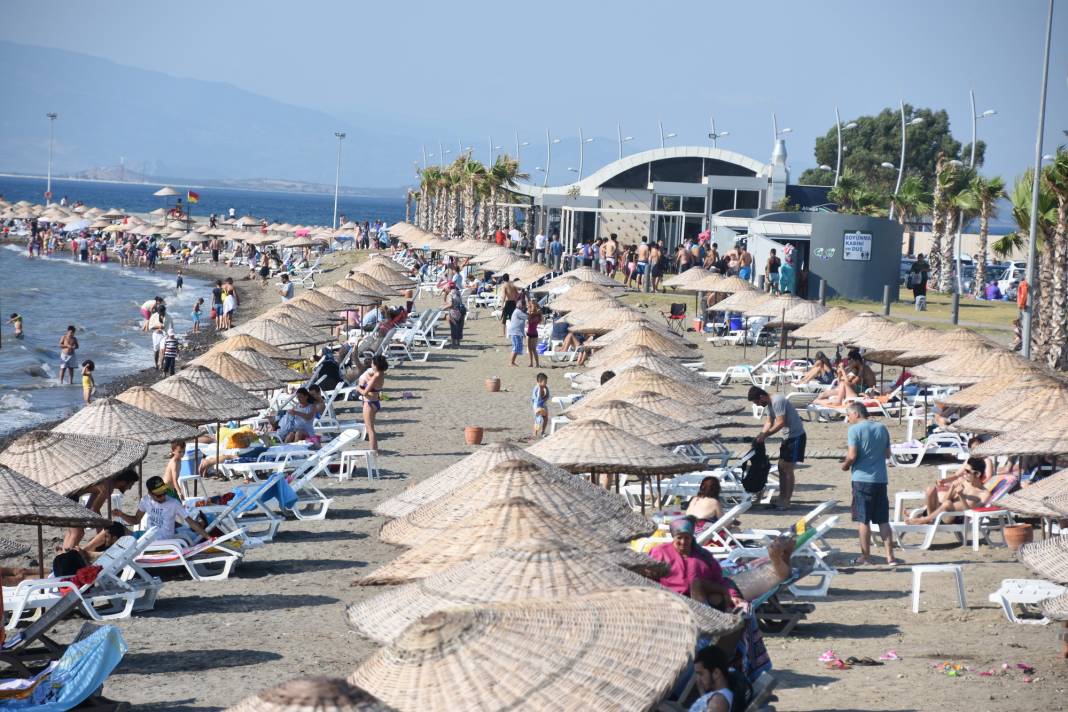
68, 345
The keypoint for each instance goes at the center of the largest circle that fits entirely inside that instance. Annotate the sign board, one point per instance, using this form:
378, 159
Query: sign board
857, 246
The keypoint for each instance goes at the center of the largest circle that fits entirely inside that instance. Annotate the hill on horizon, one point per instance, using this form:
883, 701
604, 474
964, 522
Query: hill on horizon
167, 126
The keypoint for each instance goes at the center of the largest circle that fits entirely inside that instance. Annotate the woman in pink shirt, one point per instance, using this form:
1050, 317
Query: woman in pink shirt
694, 571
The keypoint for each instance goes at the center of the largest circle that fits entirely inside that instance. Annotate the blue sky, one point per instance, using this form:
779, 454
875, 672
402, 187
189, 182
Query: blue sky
467, 70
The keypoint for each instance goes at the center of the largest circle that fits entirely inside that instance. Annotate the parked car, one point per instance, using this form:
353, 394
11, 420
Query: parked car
906, 265
1011, 277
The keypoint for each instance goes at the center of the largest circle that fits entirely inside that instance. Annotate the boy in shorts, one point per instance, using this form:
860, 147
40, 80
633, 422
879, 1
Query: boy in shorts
539, 398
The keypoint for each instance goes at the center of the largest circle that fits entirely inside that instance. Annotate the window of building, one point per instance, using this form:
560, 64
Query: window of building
693, 204
677, 170
748, 200
636, 177
716, 167
668, 202
722, 200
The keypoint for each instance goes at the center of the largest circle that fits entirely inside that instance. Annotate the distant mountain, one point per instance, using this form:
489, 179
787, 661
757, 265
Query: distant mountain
165, 126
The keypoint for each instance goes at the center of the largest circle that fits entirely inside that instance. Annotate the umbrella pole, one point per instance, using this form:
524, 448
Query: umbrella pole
140, 478
659, 492
745, 334
40, 551
640, 479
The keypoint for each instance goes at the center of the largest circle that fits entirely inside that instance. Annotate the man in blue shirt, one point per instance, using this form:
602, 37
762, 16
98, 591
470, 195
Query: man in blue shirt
869, 448
556, 251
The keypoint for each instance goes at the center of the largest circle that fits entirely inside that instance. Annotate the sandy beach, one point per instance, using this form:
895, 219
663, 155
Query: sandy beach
282, 614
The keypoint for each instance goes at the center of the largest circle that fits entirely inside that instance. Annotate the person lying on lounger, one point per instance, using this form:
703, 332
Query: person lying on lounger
821, 372
967, 493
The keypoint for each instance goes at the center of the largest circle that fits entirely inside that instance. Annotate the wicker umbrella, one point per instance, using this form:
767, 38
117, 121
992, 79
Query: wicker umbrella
582, 274
647, 334
219, 406
364, 283
307, 314
885, 337
972, 364
384, 274
220, 386
801, 313
1056, 608
594, 446
236, 372
693, 415
646, 424
1048, 559
554, 490
976, 395
352, 298
636, 356
504, 264
579, 296
558, 285
313, 694
1016, 409
740, 301
1034, 500
491, 253
723, 285
825, 323
114, 418
925, 347
163, 406
266, 365
531, 274
607, 320
860, 324
581, 651
246, 341
498, 524
775, 307
635, 379
68, 463
457, 475
23, 501
317, 298
1047, 438
684, 282
539, 569
277, 333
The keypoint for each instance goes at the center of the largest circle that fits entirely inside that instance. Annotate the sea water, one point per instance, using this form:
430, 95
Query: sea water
102, 301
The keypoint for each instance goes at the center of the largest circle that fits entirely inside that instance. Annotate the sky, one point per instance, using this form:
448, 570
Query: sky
465, 72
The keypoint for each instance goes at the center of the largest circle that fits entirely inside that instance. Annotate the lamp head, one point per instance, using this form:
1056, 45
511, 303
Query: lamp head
825, 167
850, 125
887, 164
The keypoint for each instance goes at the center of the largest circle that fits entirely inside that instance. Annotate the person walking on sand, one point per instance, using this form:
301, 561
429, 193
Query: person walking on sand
869, 449
539, 399
88, 383
170, 352
509, 296
533, 320
782, 417
68, 346
517, 327
217, 303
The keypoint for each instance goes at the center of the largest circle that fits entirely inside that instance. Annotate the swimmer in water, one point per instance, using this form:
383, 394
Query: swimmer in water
16, 320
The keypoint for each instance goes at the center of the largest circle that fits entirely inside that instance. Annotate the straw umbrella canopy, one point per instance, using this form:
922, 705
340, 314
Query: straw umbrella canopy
1016, 409
218, 405
825, 323
349, 297
531, 273
594, 446
313, 694
926, 346
1045, 438
694, 416
266, 365
212, 381
980, 393
236, 372
631, 380
113, 418
9, 548
972, 364
306, 314
23, 501
684, 282
580, 650
276, 333
503, 262
885, 336
317, 298
578, 296
363, 283
457, 475
491, 253
723, 285
554, 490
775, 307
539, 569
740, 301
646, 424
558, 285
68, 463
377, 270
799, 314
154, 402
607, 320
1037, 499
247, 341
637, 356
497, 524
862, 323
1048, 559
647, 334
582, 274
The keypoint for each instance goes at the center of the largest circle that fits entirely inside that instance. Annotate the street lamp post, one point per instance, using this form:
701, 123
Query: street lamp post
519, 145
716, 135
901, 164
1032, 244
424, 156
621, 139
971, 164
337, 175
548, 155
775, 130
838, 125
51, 124
664, 135
582, 146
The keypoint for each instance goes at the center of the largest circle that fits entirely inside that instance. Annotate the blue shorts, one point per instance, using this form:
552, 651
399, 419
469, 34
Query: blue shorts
744, 273
517, 344
793, 450
870, 503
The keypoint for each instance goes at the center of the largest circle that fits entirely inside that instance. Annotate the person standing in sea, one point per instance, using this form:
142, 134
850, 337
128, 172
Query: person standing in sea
68, 346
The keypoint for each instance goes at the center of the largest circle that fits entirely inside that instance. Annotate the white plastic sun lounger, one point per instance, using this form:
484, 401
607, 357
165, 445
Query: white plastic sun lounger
1027, 594
210, 560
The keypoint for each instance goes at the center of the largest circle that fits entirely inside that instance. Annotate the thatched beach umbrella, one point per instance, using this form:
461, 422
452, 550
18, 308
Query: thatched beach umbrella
741, 301
979, 393
23, 501
723, 285
886, 336
67, 463
582, 274
865, 322
584, 650
152, 401
635, 379
825, 323
636, 356
455, 476
384, 274
266, 365
582, 294
1016, 409
504, 263
491, 253
645, 424
539, 569
114, 418
305, 313
1048, 559
364, 283
646, 334
247, 341
972, 364
350, 298
925, 346
693, 415
313, 694
234, 372
686, 280
218, 405
498, 524
530, 274
317, 298
607, 319
553, 489
276, 333
1048, 437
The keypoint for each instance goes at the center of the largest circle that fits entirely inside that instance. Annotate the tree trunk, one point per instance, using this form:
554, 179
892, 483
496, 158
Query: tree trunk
493, 212
469, 210
980, 265
948, 280
1057, 329
1042, 302
938, 224
444, 201
408, 206
453, 218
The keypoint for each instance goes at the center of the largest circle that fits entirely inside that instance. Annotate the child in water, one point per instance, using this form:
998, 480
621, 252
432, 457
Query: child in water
539, 398
16, 320
178, 281
88, 384
196, 315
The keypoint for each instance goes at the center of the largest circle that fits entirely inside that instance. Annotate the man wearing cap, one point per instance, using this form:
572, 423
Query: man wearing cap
163, 511
869, 448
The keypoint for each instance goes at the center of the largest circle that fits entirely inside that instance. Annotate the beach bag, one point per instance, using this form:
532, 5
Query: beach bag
755, 469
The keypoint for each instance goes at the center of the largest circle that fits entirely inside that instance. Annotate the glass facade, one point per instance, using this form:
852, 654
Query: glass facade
748, 199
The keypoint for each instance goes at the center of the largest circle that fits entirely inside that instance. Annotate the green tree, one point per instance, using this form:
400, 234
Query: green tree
981, 197
877, 139
911, 203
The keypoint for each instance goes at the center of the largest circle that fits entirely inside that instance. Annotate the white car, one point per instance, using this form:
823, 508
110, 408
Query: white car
1014, 273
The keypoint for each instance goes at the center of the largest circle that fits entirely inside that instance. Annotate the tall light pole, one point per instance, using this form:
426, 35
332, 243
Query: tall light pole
621, 138
548, 155
424, 156
51, 123
1032, 244
664, 135
337, 175
838, 125
775, 130
582, 145
971, 164
519, 145
716, 135
901, 162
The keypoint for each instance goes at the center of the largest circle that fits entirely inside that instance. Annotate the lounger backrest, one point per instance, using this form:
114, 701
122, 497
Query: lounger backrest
53, 615
729, 516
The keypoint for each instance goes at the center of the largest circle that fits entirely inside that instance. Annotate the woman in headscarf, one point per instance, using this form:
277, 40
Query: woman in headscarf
694, 572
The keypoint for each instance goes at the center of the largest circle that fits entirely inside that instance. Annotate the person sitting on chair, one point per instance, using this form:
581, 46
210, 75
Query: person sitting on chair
821, 372
967, 493
705, 507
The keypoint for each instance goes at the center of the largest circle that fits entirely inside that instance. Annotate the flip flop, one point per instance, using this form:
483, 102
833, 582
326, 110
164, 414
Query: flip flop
837, 664
890, 655
862, 662
828, 656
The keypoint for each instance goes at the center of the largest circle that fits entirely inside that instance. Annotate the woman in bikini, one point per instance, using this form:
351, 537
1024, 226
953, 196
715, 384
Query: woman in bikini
370, 389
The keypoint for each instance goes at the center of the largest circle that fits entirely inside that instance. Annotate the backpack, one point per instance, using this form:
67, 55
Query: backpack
755, 469
741, 689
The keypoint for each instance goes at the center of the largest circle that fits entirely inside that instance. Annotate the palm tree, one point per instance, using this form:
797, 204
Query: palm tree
938, 221
502, 176
981, 198
408, 194
845, 192
453, 180
911, 202
1056, 179
471, 174
950, 183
